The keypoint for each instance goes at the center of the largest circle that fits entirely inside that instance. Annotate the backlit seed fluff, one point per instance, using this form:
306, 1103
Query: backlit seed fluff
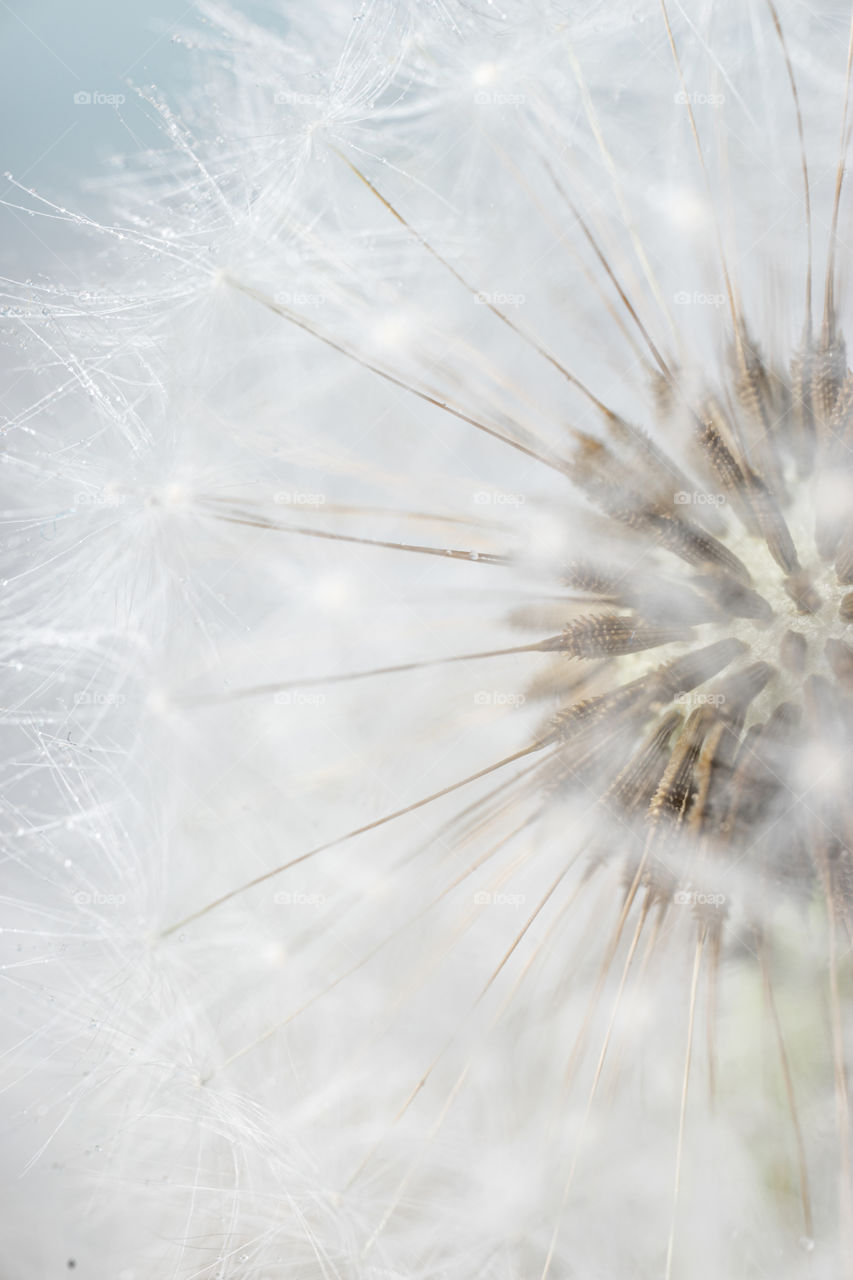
429, 658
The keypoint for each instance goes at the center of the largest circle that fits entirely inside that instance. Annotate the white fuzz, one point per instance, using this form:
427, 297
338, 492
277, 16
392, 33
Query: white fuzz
313, 412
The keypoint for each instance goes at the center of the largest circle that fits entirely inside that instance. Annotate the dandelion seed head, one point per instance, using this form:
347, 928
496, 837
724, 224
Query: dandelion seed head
458, 696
